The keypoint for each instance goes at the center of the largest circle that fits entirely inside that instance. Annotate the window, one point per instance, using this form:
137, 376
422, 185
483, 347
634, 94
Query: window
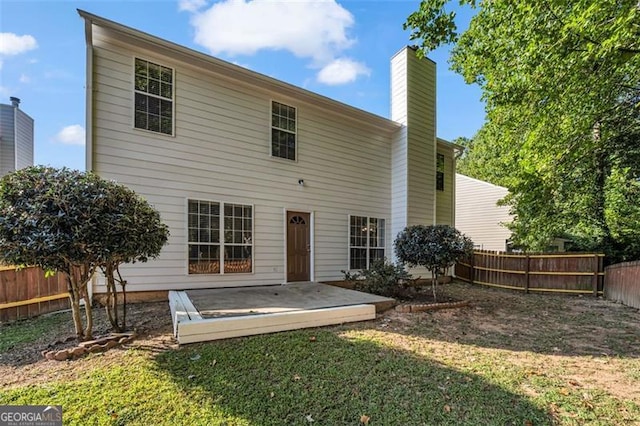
208, 252
153, 103
366, 241
283, 131
440, 172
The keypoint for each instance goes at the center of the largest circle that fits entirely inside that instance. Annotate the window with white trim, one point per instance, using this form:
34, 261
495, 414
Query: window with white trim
153, 97
283, 131
366, 241
213, 253
440, 172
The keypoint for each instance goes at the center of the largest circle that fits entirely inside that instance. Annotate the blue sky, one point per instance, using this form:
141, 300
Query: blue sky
340, 49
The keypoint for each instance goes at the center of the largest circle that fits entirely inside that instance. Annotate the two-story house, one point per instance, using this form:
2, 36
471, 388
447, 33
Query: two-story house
260, 182
16, 137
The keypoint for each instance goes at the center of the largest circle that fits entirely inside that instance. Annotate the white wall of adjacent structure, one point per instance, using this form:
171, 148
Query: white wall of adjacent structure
221, 152
24, 139
477, 214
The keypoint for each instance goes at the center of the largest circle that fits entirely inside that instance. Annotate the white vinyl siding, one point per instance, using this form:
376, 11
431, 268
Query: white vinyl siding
478, 215
218, 153
445, 202
16, 139
414, 153
7, 139
413, 92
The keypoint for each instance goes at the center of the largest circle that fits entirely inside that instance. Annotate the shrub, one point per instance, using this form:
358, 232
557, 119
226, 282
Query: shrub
435, 247
382, 278
75, 222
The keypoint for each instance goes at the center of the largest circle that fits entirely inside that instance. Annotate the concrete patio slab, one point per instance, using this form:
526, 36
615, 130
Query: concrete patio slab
210, 314
220, 302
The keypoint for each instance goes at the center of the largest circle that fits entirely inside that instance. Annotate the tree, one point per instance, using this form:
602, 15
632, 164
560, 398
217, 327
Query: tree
561, 81
435, 247
74, 223
133, 233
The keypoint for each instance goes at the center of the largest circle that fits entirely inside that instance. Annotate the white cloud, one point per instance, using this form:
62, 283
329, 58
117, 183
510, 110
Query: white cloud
24, 79
308, 29
71, 135
191, 5
13, 44
342, 71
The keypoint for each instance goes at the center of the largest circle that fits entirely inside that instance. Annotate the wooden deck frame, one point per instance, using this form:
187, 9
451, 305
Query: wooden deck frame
190, 327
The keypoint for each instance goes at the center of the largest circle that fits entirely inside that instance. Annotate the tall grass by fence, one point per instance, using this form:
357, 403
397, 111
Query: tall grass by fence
26, 293
577, 273
622, 283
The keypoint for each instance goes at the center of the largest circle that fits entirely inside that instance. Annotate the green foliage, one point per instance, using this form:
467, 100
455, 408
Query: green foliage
561, 81
382, 278
435, 247
69, 221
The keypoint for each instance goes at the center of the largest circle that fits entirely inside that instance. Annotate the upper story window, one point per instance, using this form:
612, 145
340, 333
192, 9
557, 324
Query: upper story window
440, 172
283, 131
366, 241
153, 97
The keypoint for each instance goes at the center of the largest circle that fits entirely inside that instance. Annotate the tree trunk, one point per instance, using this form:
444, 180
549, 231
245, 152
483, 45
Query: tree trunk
123, 283
601, 169
112, 297
74, 299
78, 278
88, 331
434, 282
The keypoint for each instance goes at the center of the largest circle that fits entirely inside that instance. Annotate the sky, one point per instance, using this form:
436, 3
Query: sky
337, 48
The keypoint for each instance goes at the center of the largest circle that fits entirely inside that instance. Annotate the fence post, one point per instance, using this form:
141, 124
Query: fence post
596, 269
472, 262
526, 272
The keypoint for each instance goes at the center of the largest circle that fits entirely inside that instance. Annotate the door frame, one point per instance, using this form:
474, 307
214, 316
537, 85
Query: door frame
312, 272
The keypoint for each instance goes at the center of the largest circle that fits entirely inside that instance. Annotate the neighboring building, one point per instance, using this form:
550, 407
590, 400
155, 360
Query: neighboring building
479, 216
16, 137
259, 181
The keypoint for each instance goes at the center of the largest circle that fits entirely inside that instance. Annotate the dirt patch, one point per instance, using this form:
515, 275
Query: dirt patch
587, 342
25, 364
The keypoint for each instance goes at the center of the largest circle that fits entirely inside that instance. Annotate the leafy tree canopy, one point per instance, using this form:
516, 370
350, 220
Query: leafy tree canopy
561, 81
435, 247
74, 222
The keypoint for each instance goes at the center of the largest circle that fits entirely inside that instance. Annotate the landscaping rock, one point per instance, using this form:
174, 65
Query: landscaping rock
79, 351
61, 355
421, 307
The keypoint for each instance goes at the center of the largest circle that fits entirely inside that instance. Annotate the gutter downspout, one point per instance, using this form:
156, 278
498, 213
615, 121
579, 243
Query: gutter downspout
89, 96
88, 143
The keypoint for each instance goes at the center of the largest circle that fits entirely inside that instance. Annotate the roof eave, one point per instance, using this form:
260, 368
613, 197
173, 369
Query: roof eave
242, 74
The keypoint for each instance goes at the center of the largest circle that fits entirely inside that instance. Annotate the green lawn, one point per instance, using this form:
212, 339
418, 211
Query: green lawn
417, 369
21, 332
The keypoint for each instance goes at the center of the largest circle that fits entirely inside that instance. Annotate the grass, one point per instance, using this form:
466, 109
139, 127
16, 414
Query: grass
27, 331
425, 369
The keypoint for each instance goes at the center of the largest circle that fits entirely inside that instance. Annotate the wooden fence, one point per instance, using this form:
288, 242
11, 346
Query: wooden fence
576, 273
26, 293
622, 283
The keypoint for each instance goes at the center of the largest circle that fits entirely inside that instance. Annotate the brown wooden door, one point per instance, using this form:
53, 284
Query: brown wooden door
298, 246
